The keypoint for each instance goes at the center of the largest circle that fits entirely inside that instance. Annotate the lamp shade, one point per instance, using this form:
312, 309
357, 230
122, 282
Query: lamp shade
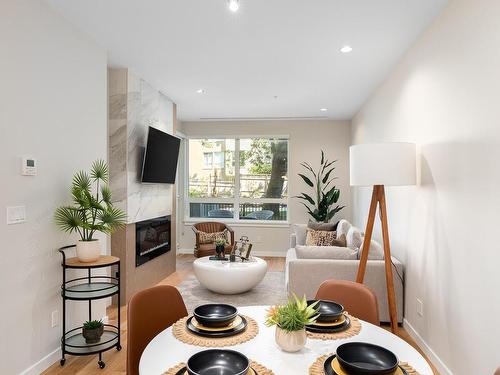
383, 164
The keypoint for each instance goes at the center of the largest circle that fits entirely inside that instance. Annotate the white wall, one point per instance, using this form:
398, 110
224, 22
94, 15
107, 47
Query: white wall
53, 108
306, 139
444, 96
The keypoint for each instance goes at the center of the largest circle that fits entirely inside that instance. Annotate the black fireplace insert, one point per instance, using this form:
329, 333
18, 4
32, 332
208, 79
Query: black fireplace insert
152, 239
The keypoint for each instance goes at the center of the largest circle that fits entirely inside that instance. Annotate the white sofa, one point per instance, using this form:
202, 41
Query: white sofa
304, 276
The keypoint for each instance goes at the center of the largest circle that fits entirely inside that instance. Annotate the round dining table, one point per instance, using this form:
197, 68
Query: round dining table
166, 351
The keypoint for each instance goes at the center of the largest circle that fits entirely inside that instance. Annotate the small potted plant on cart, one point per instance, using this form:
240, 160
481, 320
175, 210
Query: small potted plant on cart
92, 331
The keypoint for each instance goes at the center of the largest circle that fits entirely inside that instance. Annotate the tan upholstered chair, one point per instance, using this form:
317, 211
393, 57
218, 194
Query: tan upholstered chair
357, 299
206, 249
148, 313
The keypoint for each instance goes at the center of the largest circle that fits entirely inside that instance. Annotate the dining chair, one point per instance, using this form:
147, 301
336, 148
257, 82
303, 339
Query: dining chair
148, 313
357, 299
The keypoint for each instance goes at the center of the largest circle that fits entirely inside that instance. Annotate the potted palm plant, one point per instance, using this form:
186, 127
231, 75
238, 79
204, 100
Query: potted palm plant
92, 211
290, 321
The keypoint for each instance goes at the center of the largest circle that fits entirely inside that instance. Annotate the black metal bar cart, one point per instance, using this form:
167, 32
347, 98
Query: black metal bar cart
89, 288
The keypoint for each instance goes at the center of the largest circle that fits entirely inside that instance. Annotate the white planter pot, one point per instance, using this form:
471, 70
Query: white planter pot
290, 341
88, 251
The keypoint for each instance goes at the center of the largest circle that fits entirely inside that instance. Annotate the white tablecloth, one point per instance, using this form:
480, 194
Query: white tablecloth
165, 351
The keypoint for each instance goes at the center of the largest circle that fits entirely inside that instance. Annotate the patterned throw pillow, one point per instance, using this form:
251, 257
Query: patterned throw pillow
324, 238
212, 237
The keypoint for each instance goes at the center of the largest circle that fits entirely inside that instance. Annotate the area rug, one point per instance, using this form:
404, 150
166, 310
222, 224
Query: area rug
270, 291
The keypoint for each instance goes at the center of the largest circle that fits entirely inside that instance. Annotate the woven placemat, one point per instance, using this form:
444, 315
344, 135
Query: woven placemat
181, 333
317, 368
261, 370
353, 330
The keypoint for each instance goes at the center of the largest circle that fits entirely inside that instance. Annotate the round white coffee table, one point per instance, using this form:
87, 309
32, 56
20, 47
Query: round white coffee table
226, 277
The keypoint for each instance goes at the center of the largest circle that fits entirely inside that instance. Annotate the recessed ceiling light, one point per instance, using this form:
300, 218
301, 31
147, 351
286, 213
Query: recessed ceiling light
200, 91
234, 5
324, 109
346, 49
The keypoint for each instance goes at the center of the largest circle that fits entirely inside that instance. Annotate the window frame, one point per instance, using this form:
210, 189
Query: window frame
237, 199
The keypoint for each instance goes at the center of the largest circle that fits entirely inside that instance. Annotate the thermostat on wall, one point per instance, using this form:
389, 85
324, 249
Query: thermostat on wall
29, 167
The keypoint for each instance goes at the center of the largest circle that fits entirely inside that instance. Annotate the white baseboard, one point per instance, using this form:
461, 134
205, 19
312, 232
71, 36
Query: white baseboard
433, 357
50, 359
262, 253
44, 363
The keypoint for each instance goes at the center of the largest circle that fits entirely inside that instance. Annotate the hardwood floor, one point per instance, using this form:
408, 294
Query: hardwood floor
115, 361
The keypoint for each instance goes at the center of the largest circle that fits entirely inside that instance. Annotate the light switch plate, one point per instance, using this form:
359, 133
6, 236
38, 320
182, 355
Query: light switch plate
16, 214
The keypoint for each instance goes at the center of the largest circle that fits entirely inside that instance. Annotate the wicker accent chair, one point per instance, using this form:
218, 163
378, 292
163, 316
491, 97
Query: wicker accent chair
207, 249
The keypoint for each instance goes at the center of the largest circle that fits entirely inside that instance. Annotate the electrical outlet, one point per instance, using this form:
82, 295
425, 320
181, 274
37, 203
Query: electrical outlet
420, 307
55, 318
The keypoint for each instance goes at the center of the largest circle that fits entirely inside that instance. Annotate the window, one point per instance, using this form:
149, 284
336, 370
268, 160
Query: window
208, 160
213, 160
242, 179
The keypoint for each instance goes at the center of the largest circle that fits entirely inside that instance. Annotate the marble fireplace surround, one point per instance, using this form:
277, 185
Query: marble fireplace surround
134, 105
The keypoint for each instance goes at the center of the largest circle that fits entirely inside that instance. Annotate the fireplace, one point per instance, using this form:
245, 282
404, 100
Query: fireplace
152, 239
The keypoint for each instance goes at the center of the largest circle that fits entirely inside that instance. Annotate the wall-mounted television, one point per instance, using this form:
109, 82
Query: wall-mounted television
160, 157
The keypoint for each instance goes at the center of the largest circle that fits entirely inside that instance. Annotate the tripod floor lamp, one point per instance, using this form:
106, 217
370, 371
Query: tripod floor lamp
380, 165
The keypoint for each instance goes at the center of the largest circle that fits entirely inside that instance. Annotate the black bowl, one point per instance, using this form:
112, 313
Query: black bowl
218, 362
329, 311
360, 358
215, 314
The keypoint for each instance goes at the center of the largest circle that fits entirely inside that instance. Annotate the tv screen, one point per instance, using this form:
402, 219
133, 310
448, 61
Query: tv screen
160, 157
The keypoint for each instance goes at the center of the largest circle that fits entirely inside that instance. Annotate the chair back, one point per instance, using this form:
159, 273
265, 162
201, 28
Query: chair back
260, 215
357, 299
149, 312
220, 213
210, 226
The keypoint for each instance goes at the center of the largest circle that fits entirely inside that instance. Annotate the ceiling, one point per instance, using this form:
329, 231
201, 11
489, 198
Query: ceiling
272, 58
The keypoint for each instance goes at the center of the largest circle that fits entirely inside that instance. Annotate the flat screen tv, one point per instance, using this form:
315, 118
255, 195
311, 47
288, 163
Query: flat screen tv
160, 157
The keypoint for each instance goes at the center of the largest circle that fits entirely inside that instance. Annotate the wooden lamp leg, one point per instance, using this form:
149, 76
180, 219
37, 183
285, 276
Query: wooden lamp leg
378, 197
391, 295
368, 235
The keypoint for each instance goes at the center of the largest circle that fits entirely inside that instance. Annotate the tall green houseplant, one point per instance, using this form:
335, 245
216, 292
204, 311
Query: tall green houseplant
322, 207
92, 210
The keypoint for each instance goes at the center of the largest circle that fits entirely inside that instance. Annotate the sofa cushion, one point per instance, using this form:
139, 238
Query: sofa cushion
300, 233
376, 251
354, 238
321, 226
325, 252
343, 227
